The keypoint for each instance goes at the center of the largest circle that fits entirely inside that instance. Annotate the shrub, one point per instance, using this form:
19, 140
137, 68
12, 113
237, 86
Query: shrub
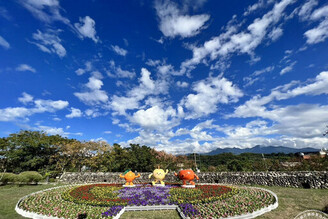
7, 177
29, 177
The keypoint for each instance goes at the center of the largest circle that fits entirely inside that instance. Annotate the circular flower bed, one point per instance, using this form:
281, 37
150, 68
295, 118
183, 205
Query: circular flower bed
107, 200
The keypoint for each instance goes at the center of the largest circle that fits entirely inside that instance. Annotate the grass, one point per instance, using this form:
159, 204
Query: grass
292, 201
10, 194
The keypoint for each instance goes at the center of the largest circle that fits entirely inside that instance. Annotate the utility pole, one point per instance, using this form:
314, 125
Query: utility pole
195, 160
264, 162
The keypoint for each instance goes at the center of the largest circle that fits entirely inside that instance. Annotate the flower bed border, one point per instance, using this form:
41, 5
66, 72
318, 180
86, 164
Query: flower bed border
254, 214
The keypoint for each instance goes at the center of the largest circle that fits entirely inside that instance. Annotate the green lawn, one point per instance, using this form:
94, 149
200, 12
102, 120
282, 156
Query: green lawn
292, 201
9, 196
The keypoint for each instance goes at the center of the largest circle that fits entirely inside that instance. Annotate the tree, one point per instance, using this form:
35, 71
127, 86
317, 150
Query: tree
164, 160
141, 158
29, 151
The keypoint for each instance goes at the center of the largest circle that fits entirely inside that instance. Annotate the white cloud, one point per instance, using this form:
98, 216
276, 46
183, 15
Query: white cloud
147, 86
155, 118
26, 98
93, 113
209, 93
5, 14
256, 106
88, 67
49, 42
146, 80
243, 42
87, 28
94, 95
4, 43
287, 68
12, 113
49, 105
56, 131
162, 67
319, 33
45, 10
182, 84
94, 83
173, 23
25, 67
74, 113
255, 76
306, 9
119, 72
108, 132
275, 34
119, 51
80, 71
257, 6
40, 106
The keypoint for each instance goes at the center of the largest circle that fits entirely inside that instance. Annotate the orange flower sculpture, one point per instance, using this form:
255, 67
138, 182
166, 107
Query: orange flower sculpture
129, 176
187, 175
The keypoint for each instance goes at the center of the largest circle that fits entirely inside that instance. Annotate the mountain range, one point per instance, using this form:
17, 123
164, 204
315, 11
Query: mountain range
258, 149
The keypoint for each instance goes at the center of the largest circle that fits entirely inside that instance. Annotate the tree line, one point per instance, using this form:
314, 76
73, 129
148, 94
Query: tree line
53, 154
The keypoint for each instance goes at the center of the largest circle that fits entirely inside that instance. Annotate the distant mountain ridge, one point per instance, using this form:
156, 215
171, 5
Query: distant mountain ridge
258, 149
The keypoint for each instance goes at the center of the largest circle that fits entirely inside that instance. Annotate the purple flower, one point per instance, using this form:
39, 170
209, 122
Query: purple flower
188, 209
112, 211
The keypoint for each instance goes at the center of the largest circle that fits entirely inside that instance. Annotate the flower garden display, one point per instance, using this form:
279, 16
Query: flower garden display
159, 176
187, 175
108, 200
129, 176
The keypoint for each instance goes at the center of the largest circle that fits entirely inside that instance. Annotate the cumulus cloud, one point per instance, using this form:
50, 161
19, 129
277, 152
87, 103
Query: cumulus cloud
49, 105
131, 101
155, 118
319, 33
26, 98
25, 67
74, 113
94, 95
49, 42
87, 68
182, 84
275, 34
209, 93
117, 71
174, 23
147, 86
87, 28
119, 51
4, 43
56, 131
39, 106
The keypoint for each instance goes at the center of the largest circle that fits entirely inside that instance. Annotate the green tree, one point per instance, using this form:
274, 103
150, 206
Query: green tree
141, 158
29, 151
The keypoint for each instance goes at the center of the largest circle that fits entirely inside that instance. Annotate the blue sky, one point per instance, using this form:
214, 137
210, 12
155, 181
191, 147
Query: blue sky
181, 76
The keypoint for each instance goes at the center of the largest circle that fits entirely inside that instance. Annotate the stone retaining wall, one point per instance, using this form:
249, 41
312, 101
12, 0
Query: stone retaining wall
302, 179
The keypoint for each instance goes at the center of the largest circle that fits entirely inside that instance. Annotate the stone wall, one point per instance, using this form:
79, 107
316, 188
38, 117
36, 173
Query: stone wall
302, 179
